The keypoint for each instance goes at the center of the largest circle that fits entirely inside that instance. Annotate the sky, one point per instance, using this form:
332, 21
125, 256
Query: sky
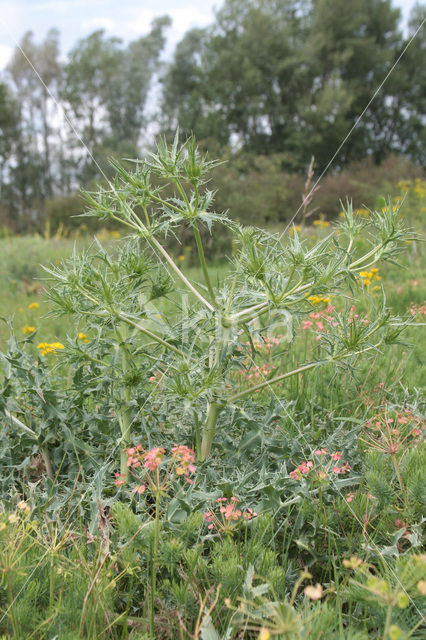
127, 19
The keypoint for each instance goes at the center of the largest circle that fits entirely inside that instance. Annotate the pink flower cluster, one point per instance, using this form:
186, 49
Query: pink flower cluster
329, 315
229, 516
185, 458
181, 462
321, 473
153, 458
257, 371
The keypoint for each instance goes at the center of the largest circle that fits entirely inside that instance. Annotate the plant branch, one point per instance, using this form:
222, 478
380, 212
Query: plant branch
203, 262
176, 269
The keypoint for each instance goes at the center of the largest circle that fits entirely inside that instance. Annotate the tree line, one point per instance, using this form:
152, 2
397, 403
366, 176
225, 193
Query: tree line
277, 79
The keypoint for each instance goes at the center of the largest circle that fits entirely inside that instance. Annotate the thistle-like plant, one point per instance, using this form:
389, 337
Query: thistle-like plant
195, 335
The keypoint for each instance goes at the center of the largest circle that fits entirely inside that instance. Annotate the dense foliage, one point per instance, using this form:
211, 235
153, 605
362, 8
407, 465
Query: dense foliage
227, 452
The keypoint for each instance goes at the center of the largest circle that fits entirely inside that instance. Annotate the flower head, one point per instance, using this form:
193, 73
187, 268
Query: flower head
27, 329
153, 458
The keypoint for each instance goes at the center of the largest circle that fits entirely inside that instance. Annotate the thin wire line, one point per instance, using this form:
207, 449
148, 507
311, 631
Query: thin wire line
61, 107
354, 126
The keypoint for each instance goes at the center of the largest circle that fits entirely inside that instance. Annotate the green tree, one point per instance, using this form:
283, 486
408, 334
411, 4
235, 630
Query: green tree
106, 88
293, 77
33, 180
8, 123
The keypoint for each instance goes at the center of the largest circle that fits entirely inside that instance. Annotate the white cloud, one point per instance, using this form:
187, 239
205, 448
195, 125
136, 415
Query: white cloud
5, 55
99, 23
184, 18
11, 14
54, 6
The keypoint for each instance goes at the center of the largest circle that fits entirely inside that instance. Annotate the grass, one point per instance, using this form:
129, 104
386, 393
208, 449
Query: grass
82, 552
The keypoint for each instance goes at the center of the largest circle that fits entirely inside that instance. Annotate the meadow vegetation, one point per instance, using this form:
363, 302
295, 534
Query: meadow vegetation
197, 446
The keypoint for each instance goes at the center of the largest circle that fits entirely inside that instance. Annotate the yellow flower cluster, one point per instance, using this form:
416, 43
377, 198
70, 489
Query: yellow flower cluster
294, 228
28, 329
33, 305
369, 276
82, 336
322, 224
49, 347
318, 299
418, 186
364, 213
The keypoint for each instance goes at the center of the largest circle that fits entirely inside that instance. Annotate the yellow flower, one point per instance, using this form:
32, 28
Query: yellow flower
294, 228
28, 329
181, 258
82, 336
362, 212
21, 309
264, 634
318, 299
33, 305
49, 347
321, 223
341, 214
115, 234
369, 276
23, 506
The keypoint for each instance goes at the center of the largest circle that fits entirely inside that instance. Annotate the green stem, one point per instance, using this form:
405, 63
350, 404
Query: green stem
154, 563
197, 436
11, 606
51, 580
398, 472
149, 333
124, 414
203, 261
47, 461
267, 383
128, 320
388, 621
209, 431
153, 241
305, 367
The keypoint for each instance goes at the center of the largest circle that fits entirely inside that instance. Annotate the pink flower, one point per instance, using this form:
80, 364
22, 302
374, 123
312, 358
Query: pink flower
322, 475
140, 489
320, 326
186, 458
120, 479
321, 452
350, 497
336, 469
295, 474
153, 458
307, 324
336, 456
